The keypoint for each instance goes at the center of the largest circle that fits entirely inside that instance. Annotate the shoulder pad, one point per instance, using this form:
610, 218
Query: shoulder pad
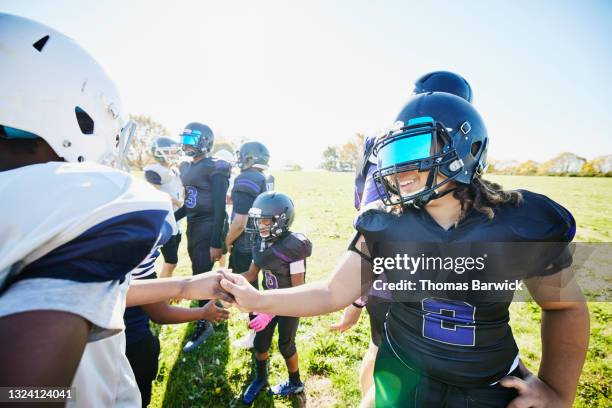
153, 177
373, 219
250, 182
221, 167
295, 246
538, 218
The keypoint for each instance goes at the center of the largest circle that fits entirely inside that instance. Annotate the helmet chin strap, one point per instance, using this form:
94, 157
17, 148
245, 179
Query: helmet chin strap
422, 200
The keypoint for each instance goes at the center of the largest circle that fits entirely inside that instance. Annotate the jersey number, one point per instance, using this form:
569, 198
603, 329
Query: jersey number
270, 280
191, 196
449, 321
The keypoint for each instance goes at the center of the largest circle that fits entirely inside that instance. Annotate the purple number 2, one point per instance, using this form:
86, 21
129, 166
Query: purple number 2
449, 321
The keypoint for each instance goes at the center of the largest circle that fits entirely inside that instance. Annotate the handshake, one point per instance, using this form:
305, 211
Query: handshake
224, 285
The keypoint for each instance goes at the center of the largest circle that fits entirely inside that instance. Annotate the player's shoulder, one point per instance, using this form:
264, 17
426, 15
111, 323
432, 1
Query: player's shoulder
250, 182
295, 246
537, 217
220, 166
374, 217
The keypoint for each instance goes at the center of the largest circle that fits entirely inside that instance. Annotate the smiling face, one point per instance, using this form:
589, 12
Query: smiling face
263, 226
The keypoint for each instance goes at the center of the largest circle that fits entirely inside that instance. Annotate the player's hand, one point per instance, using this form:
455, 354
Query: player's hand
261, 321
215, 254
533, 392
246, 297
214, 313
205, 286
349, 318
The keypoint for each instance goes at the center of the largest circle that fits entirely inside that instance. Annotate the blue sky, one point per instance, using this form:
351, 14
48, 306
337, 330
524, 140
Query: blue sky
303, 75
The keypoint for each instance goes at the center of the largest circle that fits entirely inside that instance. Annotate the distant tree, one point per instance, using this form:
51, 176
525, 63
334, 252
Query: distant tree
139, 151
331, 160
529, 168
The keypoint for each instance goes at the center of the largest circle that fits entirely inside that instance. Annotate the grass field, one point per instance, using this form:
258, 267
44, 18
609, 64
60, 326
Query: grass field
215, 374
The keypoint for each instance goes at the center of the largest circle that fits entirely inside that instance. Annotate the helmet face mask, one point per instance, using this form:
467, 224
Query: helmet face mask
165, 150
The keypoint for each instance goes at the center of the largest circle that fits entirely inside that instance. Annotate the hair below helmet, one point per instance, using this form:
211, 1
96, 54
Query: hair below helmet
444, 81
275, 206
253, 154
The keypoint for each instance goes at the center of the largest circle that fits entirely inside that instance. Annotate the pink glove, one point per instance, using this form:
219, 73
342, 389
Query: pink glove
261, 321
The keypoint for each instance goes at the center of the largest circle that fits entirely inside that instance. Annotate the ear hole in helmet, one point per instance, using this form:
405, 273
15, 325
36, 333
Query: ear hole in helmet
40, 44
86, 123
475, 148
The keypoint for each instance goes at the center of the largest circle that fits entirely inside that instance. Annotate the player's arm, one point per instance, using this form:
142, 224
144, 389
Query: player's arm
220, 184
236, 228
565, 338
297, 270
202, 286
251, 274
163, 313
41, 348
311, 299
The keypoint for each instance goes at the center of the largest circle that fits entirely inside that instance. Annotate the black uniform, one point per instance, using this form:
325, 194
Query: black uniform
206, 183
447, 350
274, 262
247, 186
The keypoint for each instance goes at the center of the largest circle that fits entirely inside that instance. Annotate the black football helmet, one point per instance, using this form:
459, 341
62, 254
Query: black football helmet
253, 154
197, 139
165, 149
444, 81
436, 132
276, 207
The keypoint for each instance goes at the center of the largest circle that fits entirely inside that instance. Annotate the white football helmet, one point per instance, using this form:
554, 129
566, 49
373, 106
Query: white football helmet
52, 88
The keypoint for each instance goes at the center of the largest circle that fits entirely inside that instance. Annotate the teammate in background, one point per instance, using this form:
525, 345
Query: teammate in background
74, 229
366, 195
457, 349
206, 181
281, 255
165, 177
253, 158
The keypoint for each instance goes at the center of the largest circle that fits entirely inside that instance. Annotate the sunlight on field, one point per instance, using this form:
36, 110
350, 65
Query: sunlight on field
215, 374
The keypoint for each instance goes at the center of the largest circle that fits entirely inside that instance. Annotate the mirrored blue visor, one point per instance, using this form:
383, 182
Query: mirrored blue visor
190, 137
405, 149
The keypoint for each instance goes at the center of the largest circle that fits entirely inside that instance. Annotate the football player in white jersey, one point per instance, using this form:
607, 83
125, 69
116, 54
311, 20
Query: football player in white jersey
164, 176
72, 229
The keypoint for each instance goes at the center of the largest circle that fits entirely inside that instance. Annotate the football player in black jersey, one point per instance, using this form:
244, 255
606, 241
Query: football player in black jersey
253, 158
281, 255
453, 352
365, 195
206, 180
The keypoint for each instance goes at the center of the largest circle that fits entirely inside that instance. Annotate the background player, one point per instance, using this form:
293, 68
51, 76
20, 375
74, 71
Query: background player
253, 158
206, 180
164, 176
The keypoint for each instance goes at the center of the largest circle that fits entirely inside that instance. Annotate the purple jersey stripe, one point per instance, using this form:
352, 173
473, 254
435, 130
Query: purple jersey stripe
281, 255
251, 185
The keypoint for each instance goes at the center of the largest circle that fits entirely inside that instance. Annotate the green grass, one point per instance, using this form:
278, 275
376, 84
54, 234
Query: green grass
215, 374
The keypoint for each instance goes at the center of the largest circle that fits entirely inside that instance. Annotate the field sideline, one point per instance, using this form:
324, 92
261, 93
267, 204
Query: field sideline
215, 374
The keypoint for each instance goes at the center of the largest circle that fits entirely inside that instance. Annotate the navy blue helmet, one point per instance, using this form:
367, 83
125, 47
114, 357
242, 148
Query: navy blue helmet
436, 132
197, 139
444, 81
164, 149
253, 154
273, 206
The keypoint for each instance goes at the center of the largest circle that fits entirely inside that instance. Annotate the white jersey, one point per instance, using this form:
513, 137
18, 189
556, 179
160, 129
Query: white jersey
72, 235
48, 205
169, 181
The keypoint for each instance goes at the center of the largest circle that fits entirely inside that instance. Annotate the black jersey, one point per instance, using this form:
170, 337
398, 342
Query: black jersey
247, 186
197, 179
274, 260
464, 338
